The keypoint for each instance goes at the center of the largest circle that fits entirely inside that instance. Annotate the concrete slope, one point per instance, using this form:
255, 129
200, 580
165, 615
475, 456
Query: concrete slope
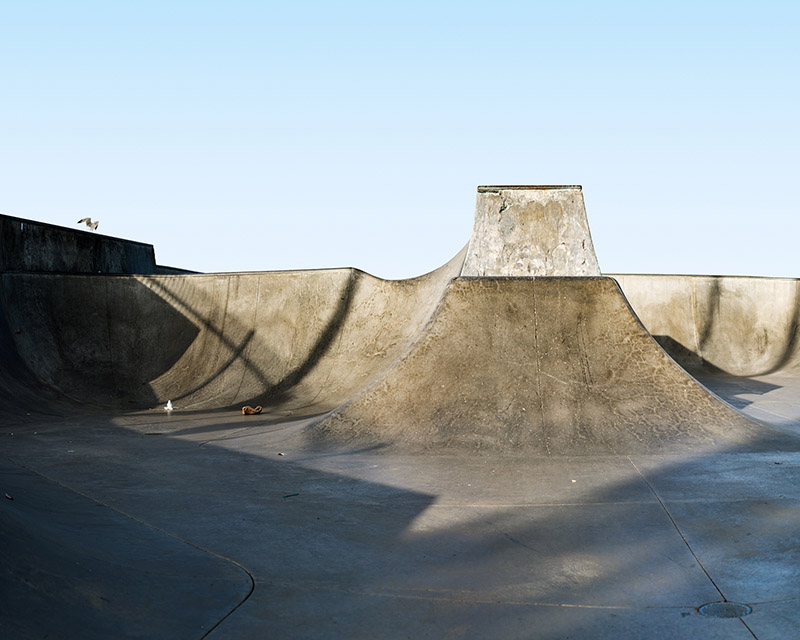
744, 326
20, 392
552, 365
300, 340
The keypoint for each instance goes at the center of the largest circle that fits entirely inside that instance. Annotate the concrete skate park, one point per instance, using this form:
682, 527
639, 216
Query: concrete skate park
515, 445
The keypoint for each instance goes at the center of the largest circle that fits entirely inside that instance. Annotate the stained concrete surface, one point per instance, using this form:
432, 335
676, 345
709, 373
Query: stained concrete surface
300, 339
738, 325
507, 217
130, 521
74, 567
555, 365
371, 543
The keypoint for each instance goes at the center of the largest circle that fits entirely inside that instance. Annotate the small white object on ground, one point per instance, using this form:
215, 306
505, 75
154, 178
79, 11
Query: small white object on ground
169, 406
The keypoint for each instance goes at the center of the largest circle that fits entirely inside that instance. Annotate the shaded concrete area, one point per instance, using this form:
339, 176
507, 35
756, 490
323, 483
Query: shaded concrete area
28, 245
73, 567
303, 340
442, 457
345, 542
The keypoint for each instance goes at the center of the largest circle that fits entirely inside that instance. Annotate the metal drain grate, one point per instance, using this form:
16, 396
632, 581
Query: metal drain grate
724, 610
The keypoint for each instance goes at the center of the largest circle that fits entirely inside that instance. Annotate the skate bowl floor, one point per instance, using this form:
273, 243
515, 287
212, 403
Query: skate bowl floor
601, 478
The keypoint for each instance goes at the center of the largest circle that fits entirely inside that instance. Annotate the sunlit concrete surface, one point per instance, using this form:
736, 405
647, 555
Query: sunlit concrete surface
450, 456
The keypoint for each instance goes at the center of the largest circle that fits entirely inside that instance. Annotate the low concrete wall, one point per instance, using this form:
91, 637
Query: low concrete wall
304, 341
27, 245
745, 326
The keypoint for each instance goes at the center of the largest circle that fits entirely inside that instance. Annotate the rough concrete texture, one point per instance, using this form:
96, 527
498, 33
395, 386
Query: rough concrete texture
737, 325
298, 341
597, 491
530, 231
557, 365
27, 245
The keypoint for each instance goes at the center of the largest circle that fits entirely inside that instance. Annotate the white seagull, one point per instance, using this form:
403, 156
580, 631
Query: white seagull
92, 225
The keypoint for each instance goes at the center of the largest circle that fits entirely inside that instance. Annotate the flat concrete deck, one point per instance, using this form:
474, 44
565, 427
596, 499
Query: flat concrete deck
191, 525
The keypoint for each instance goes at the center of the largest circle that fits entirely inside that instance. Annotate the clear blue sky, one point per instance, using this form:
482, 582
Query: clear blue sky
257, 135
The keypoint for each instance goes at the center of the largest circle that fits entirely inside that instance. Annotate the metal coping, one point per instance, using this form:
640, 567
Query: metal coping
484, 188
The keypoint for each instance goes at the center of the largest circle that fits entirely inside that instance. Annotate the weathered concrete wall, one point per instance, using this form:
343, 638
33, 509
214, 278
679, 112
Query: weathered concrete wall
27, 245
297, 340
530, 231
745, 326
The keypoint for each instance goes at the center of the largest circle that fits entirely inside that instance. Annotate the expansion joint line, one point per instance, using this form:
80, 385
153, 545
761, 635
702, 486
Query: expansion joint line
686, 542
538, 369
675, 524
108, 336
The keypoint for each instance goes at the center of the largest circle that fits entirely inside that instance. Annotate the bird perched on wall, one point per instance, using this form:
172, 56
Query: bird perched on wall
92, 225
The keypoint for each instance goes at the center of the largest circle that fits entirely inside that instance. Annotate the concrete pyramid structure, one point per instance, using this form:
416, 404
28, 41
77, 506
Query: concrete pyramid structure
531, 348
517, 343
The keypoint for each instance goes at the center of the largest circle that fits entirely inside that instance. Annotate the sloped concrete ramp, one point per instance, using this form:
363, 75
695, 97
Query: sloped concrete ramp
738, 335
554, 365
297, 341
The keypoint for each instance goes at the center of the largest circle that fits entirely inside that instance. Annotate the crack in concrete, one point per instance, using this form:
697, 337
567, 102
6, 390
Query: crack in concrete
188, 543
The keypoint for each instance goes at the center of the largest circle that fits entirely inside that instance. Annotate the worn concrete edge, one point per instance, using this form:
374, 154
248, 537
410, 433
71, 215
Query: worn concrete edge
60, 228
700, 275
185, 273
521, 187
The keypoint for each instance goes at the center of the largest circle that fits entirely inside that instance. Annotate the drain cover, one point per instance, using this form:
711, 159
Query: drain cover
725, 610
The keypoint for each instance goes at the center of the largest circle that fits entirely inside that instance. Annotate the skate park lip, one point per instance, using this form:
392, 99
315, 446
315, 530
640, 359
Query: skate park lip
545, 187
122, 518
